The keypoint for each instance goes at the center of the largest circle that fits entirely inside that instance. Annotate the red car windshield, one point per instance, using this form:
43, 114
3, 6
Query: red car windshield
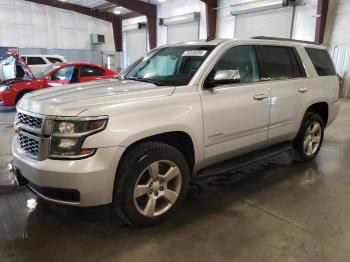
45, 71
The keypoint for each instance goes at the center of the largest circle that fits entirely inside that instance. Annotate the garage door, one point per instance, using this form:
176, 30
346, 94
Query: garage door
183, 32
273, 23
136, 45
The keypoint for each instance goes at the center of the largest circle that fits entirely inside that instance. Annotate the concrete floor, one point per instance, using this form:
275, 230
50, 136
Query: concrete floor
275, 210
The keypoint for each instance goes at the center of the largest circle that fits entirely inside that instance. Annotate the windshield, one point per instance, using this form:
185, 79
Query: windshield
45, 71
173, 65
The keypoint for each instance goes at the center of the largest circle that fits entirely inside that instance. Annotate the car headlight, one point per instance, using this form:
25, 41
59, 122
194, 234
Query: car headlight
4, 88
68, 135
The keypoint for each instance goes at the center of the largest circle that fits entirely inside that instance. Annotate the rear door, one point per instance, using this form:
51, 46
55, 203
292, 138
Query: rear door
90, 73
285, 77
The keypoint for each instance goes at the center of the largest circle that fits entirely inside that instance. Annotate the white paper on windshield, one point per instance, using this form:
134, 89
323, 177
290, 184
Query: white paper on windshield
195, 53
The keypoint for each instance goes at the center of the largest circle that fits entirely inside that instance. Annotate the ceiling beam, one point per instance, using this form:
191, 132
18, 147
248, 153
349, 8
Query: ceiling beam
147, 9
76, 8
105, 7
131, 15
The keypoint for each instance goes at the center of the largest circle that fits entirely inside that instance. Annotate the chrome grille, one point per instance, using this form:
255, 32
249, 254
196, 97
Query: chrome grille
31, 121
29, 145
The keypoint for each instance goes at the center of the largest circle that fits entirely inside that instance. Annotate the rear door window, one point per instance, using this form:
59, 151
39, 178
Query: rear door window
54, 60
86, 71
321, 61
279, 62
32, 60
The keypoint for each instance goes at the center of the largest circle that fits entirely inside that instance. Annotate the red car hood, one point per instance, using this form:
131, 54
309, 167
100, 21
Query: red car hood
10, 66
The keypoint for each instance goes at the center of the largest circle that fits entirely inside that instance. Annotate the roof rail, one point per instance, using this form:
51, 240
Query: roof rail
284, 39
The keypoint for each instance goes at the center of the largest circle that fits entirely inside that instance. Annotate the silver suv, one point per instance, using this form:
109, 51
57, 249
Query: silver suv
136, 141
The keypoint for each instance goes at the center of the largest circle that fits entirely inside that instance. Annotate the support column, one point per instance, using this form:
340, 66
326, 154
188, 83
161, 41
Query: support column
152, 31
211, 10
322, 12
117, 32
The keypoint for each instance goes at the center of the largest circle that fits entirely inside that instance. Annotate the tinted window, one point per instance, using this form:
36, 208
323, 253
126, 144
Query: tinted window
54, 60
322, 61
91, 71
241, 58
278, 62
35, 60
65, 73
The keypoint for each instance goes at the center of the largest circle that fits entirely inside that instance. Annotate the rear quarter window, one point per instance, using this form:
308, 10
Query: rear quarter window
321, 61
54, 60
32, 60
88, 71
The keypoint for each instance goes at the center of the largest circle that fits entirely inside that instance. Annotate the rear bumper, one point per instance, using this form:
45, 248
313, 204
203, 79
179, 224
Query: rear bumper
85, 182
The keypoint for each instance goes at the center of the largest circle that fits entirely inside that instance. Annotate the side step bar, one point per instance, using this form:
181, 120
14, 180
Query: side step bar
245, 160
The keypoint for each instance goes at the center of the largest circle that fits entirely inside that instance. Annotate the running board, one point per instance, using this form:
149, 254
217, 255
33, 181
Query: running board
245, 160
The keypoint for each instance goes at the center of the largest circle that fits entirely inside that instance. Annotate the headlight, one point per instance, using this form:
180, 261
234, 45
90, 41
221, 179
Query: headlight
69, 134
4, 88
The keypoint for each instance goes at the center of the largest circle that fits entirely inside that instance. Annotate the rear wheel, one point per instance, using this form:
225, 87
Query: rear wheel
151, 184
310, 137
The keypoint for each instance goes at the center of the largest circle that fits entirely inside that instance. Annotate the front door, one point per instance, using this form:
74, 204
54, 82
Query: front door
63, 76
236, 116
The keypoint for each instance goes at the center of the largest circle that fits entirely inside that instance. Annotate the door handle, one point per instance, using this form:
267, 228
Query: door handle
260, 97
303, 90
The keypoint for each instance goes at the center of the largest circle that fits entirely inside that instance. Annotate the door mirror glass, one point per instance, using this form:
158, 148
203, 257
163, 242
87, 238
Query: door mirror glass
223, 77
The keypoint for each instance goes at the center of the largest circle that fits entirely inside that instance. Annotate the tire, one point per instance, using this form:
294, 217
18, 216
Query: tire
20, 95
141, 183
309, 140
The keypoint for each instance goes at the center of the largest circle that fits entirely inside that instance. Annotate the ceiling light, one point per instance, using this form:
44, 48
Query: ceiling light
117, 12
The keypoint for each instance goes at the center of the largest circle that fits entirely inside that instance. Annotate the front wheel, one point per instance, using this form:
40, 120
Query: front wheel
151, 184
310, 137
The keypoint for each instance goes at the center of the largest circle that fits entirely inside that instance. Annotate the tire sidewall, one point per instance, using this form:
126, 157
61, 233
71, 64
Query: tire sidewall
132, 170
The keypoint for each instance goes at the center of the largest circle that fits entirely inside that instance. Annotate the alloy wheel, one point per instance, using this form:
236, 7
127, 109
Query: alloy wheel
157, 188
312, 138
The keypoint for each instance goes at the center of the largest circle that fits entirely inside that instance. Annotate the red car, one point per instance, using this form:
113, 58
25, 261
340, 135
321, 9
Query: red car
18, 79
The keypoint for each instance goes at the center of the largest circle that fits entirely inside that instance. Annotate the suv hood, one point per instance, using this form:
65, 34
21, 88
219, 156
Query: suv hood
13, 66
73, 99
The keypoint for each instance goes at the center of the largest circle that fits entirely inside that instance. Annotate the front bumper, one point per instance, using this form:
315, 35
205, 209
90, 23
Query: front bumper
92, 178
7, 98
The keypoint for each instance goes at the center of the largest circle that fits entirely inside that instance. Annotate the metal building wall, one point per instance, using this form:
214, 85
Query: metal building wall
341, 58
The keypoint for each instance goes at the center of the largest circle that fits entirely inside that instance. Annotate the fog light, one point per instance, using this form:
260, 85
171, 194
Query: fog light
66, 143
10, 167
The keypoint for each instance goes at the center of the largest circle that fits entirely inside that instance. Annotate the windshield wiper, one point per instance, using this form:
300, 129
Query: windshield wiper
147, 80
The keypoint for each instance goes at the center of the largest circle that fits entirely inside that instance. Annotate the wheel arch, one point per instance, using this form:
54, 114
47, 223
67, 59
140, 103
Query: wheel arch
321, 109
180, 140
21, 94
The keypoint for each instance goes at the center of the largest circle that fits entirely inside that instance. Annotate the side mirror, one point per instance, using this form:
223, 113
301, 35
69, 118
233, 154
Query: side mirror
223, 77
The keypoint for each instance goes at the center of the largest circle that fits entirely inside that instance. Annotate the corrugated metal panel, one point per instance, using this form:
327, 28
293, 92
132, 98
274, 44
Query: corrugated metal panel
273, 23
183, 32
341, 58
